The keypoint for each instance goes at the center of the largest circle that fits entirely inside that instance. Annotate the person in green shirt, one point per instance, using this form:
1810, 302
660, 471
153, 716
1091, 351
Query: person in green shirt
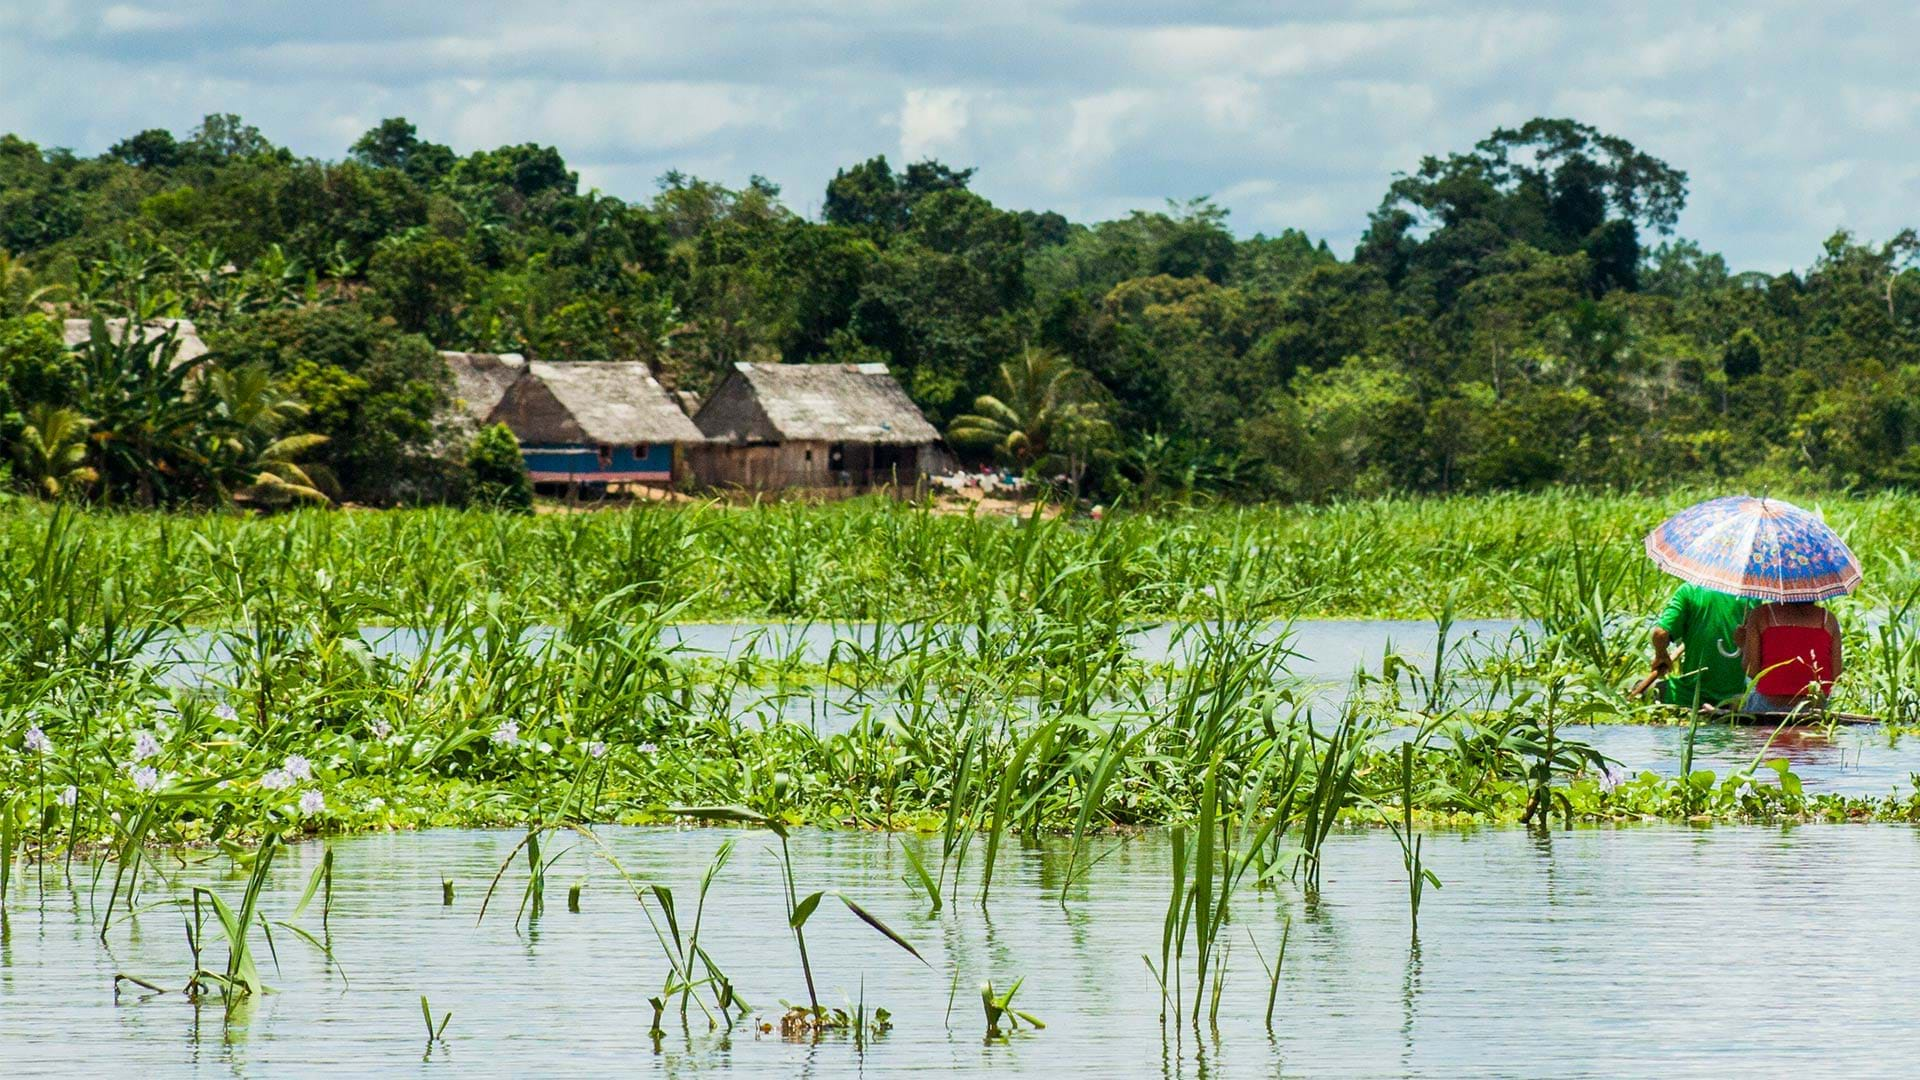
1704, 622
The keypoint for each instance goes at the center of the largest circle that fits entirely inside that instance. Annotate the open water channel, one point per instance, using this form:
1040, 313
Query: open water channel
1597, 952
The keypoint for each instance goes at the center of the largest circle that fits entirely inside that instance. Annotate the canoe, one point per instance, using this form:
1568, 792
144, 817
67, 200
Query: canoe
1807, 718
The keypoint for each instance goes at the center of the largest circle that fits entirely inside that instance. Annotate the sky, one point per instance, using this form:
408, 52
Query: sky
1792, 119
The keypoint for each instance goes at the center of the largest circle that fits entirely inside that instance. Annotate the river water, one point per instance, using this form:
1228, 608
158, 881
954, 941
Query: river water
1651, 950
1327, 650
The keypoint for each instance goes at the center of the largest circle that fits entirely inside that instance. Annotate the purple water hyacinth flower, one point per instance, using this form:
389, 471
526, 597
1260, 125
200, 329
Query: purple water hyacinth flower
298, 767
596, 749
225, 712
382, 729
277, 780
507, 734
36, 741
145, 745
69, 795
146, 778
649, 748
1612, 777
312, 802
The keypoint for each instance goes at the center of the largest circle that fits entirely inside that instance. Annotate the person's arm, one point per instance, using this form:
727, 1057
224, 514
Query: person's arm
1672, 622
1662, 658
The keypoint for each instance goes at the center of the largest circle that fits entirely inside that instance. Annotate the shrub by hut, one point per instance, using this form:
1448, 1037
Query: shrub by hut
595, 423
774, 426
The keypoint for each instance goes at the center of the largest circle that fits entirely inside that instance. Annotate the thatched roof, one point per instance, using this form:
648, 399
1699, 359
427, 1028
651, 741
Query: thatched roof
860, 403
187, 344
610, 403
480, 380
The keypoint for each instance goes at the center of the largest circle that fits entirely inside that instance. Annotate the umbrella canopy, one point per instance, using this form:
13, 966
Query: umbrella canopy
1763, 549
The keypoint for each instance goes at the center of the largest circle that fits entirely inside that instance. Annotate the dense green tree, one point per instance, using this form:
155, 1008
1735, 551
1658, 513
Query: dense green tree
372, 390
154, 148
224, 137
1556, 185
1515, 315
871, 195
396, 144
420, 280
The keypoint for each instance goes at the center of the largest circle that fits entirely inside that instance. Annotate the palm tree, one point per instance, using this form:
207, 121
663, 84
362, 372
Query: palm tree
278, 478
53, 451
17, 292
1049, 416
255, 460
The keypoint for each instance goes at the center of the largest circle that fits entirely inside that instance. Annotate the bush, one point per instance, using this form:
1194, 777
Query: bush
496, 473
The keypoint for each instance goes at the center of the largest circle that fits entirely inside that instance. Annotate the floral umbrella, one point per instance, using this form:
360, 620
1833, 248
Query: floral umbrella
1763, 549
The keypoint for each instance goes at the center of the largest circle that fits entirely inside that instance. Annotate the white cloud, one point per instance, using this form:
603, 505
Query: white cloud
931, 121
123, 19
1791, 119
1092, 135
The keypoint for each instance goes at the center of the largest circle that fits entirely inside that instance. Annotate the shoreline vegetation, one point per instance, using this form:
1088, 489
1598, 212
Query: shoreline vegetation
991, 691
873, 559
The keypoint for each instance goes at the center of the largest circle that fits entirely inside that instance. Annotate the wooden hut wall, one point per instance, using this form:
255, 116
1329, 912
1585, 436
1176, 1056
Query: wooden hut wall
760, 466
807, 465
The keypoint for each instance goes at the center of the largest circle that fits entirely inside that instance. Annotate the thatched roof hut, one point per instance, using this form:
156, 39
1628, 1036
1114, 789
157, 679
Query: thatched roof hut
834, 403
844, 426
187, 346
593, 403
480, 380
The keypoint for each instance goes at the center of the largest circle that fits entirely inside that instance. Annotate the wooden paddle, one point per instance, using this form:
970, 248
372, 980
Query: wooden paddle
1646, 684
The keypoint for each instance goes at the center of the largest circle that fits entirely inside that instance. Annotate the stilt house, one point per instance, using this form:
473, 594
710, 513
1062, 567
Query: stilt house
774, 426
595, 423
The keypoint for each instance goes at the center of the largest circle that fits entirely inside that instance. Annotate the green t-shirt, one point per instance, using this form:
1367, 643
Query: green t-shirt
1704, 621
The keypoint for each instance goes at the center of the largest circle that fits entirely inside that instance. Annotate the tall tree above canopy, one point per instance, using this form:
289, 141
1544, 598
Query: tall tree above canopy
224, 137
154, 148
396, 144
1557, 185
528, 169
871, 194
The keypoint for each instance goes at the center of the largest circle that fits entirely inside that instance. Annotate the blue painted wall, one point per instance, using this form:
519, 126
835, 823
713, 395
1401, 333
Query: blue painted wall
584, 459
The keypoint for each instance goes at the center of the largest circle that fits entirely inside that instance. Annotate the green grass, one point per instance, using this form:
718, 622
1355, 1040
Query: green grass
859, 560
1005, 700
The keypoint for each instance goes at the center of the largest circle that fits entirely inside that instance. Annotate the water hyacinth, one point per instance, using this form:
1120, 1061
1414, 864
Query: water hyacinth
312, 802
36, 741
69, 795
277, 780
507, 734
596, 749
146, 778
225, 712
145, 745
297, 767
649, 748
381, 728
